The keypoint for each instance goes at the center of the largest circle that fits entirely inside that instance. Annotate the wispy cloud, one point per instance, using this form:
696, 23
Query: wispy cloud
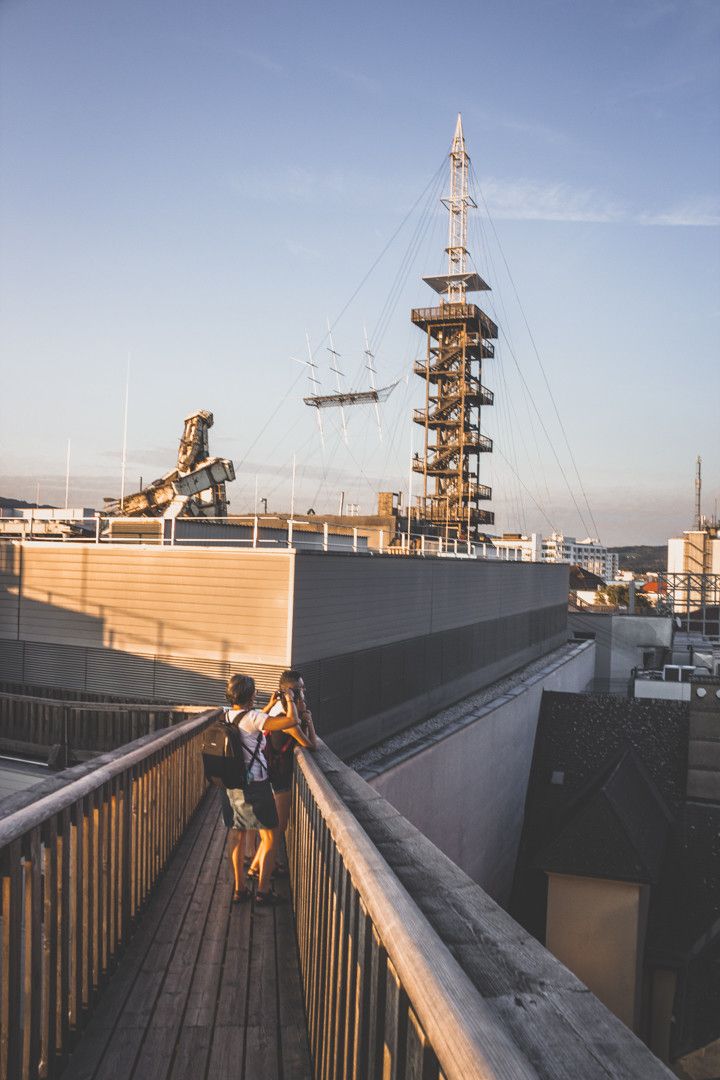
513, 199
528, 200
261, 60
701, 212
308, 186
356, 79
520, 126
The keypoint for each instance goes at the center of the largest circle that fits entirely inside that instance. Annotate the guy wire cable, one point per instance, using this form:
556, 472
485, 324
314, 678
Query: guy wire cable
537, 354
526, 388
504, 322
375, 262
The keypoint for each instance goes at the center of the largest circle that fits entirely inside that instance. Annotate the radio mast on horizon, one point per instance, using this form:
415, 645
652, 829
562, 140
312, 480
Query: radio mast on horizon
459, 338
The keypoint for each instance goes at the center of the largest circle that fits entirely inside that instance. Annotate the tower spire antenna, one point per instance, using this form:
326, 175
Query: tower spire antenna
457, 203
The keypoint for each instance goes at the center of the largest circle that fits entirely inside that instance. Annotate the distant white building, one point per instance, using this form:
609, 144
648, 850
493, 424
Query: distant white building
558, 548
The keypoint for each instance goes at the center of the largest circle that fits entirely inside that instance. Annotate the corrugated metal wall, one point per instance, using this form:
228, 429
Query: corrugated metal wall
387, 641
220, 605
343, 604
193, 681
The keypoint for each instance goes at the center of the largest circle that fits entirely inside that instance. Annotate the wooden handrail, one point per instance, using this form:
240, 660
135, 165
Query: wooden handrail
30, 724
76, 867
104, 706
379, 982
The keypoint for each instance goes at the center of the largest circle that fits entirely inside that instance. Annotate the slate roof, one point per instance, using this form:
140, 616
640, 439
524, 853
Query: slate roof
607, 798
585, 579
617, 827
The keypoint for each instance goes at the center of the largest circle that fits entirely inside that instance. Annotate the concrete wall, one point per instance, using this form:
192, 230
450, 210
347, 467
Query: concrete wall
621, 641
597, 929
466, 790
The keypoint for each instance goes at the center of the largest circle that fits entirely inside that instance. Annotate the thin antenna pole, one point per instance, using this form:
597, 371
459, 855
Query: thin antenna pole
370, 365
292, 492
410, 480
335, 357
37, 493
256, 493
67, 477
125, 429
698, 493
312, 366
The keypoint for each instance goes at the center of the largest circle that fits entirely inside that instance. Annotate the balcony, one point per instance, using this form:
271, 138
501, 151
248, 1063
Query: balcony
475, 395
476, 491
435, 319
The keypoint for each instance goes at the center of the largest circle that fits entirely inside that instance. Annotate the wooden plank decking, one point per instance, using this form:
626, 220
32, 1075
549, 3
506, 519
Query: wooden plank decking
205, 988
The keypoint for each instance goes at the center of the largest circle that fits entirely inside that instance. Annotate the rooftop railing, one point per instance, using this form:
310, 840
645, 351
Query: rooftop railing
254, 533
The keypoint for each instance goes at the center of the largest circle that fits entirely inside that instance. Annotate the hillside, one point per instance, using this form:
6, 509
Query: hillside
642, 558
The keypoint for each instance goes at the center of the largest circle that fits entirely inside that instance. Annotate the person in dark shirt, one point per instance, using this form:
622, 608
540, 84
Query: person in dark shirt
280, 748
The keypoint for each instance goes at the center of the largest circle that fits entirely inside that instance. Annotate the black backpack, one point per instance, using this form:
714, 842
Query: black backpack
223, 754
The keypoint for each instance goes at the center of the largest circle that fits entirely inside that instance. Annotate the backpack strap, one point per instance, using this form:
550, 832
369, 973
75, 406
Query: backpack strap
255, 754
256, 751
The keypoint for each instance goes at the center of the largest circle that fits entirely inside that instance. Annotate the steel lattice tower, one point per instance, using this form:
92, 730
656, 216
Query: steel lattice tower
459, 338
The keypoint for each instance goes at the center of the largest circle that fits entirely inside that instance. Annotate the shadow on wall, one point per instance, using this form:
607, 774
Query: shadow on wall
185, 680
52, 615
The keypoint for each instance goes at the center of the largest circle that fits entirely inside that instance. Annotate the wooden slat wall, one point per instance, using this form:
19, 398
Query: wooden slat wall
219, 604
345, 603
74, 875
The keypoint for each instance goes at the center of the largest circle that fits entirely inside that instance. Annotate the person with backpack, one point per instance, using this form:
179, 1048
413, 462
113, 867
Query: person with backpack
253, 805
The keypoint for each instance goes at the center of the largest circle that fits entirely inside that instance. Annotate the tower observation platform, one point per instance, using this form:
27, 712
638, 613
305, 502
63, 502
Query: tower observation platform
459, 337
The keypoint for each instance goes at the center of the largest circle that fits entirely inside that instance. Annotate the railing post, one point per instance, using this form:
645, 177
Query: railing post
422, 544
355, 538
440, 547
255, 532
172, 532
382, 541
455, 551
468, 546
290, 532
325, 535
97, 528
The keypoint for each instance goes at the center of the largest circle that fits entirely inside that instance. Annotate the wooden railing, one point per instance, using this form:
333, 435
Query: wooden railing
76, 866
383, 994
28, 722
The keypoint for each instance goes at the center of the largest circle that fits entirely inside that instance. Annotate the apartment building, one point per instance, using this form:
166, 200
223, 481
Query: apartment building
558, 548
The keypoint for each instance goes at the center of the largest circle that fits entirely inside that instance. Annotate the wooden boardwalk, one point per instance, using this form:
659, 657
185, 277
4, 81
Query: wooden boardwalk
205, 988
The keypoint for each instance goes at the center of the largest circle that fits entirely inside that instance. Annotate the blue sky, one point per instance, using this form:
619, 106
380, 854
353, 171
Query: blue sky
200, 184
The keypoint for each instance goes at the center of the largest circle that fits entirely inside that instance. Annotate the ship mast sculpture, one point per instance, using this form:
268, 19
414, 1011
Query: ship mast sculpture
459, 338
